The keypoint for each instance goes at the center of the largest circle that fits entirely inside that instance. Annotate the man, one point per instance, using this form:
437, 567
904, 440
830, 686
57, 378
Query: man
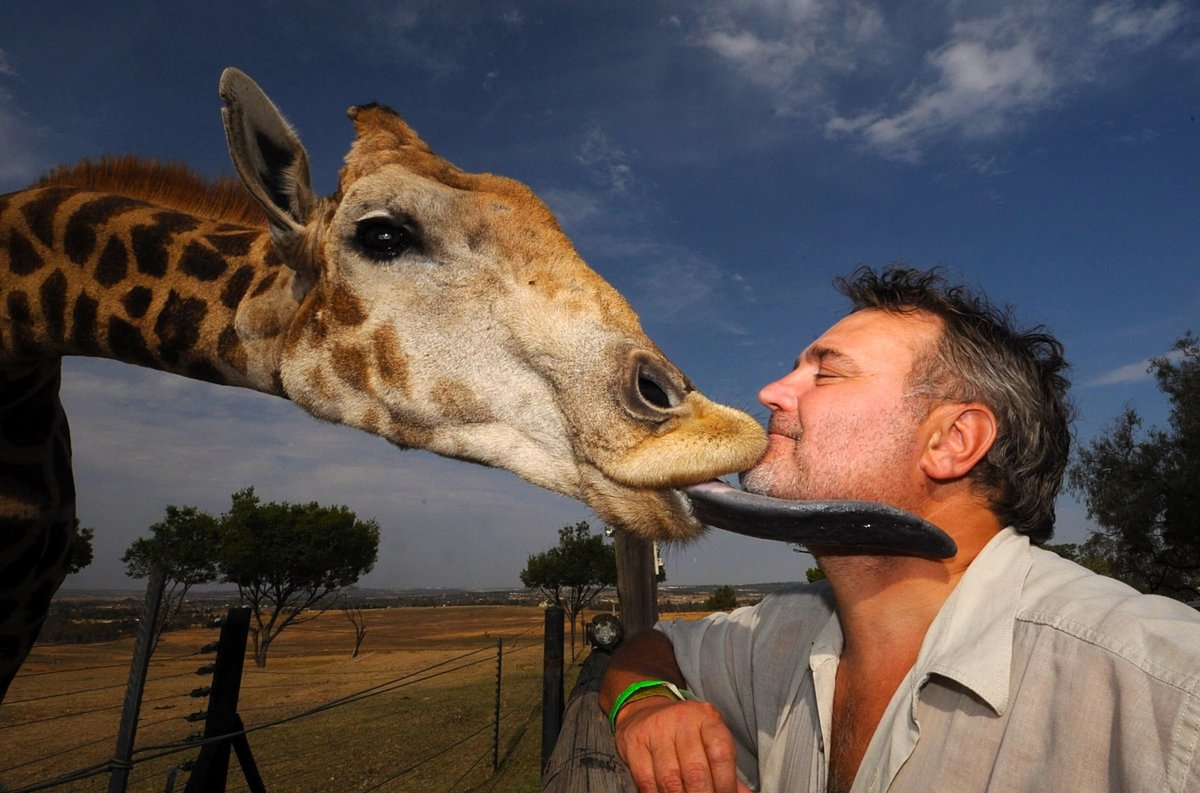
1004, 668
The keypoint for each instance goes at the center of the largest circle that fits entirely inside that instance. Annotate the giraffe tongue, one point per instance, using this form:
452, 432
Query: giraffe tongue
840, 525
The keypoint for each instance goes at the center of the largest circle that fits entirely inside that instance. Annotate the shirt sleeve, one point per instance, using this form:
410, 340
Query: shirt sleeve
715, 655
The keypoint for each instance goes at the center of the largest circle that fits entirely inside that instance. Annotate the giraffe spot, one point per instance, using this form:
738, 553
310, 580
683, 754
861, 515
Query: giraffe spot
457, 402
137, 301
202, 263
53, 293
350, 364
203, 370
230, 349
178, 325
371, 421
265, 283
127, 344
83, 325
41, 211
113, 264
150, 242
236, 286
233, 244
23, 258
390, 360
318, 383
149, 251
346, 308
79, 240
21, 321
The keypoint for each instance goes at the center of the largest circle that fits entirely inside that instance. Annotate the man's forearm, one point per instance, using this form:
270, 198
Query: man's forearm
647, 656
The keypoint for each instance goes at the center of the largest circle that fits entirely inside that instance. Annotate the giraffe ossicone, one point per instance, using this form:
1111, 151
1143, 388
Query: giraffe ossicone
440, 309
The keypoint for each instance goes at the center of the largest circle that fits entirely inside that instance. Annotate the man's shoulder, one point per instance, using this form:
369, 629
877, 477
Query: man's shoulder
1157, 634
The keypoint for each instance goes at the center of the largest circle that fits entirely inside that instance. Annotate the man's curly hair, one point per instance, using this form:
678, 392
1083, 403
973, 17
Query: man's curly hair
981, 357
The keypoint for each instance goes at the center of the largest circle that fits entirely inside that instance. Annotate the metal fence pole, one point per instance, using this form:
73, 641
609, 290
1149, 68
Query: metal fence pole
121, 764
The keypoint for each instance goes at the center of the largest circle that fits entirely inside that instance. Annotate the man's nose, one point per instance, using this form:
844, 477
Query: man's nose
779, 395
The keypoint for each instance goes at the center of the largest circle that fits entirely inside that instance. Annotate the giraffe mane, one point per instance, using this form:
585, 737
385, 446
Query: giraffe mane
168, 184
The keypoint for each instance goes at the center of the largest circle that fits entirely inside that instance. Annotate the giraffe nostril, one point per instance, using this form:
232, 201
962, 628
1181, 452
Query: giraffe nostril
652, 390
653, 393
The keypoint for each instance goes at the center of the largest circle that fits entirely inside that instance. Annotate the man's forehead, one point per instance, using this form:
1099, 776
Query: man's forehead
871, 332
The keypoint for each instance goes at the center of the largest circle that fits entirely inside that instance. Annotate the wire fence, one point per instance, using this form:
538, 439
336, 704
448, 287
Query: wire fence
380, 722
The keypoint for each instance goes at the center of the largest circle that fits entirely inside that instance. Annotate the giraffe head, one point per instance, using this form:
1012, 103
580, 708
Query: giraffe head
447, 311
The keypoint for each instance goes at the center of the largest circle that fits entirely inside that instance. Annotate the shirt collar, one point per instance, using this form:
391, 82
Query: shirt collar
970, 640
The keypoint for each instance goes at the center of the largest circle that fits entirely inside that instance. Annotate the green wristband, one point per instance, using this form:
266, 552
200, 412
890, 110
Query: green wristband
670, 690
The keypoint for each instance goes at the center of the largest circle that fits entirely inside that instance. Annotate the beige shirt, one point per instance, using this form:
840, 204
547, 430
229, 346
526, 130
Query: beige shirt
1036, 675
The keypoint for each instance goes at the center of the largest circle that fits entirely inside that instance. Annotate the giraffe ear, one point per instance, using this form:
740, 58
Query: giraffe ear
268, 156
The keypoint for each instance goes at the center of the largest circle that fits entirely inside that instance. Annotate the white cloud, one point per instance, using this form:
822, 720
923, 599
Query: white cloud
971, 71
1140, 27
1129, 373
608, 164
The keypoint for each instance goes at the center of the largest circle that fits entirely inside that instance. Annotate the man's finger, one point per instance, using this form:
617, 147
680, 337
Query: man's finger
721, 756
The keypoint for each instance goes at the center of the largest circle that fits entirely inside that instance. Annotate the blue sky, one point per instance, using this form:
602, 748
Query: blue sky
719, 162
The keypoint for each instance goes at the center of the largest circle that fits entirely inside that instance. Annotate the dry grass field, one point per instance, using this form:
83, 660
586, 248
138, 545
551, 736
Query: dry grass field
424, 722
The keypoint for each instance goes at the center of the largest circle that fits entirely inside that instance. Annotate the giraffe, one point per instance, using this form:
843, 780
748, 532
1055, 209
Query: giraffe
439, 309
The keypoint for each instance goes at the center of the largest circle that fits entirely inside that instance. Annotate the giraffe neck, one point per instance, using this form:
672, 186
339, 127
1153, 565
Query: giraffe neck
102, 274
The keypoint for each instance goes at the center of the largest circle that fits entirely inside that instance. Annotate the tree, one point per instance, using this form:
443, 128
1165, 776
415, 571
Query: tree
723, 598
81, 553
1143, 489
814, 574
574, 572
354, 612
290, 558
184, 545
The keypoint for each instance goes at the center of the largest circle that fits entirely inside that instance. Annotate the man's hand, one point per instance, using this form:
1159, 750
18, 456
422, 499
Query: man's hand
673, 747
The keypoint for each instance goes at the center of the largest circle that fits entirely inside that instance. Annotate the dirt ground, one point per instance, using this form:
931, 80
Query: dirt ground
424, 721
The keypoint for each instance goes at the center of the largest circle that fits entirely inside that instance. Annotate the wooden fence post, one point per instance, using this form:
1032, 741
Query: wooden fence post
499, 677
637, 584
552, 682
137, 682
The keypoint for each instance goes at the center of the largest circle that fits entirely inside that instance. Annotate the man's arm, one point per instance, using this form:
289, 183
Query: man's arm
667, 744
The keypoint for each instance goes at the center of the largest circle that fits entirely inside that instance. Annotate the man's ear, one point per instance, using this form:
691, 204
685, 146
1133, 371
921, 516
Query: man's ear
959, 435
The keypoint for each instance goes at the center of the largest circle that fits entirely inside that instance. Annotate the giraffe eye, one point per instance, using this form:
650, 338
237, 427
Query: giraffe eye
383, 238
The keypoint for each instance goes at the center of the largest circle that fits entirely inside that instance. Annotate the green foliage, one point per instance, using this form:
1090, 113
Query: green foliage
723, 598
573, 573
184, 545
81, 548
289, 558
814, 574
1143, 488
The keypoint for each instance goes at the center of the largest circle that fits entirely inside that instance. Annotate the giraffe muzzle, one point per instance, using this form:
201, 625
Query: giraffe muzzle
835, 525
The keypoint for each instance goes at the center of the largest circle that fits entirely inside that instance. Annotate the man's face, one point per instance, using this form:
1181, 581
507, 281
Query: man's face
841, 427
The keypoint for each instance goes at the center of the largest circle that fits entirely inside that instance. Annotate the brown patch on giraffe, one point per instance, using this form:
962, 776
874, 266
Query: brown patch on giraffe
351, 365
178, 325
345, 308
137, 301
21, 314
202, 263
372, 421
405, 434
265, 284
127, 344
83, 325
233, 243
390, 360
23, 257
236, 286
319, 383
113, 265
79, 239
457, 402
53, 293
41, 211
150, 242
230, 349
